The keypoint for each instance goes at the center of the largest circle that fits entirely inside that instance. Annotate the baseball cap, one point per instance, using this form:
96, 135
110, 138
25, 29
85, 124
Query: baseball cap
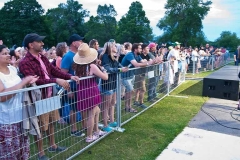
31, 37
111, 40
74, 37
176, 43
151, 45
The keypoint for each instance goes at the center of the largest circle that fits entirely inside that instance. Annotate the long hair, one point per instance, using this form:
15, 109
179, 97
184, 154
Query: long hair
61, 48
92, 43
82, 70
119, 49
107, 49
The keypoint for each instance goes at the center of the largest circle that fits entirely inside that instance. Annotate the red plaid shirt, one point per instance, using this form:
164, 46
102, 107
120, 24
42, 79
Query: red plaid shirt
30, 66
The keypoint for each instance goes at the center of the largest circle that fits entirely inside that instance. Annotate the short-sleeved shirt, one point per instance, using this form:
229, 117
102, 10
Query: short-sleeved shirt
236, 54
147, 57
126, 62
11, 110
67, 62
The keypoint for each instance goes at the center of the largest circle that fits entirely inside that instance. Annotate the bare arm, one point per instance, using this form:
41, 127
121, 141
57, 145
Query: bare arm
144, 64
25, 81
96, 71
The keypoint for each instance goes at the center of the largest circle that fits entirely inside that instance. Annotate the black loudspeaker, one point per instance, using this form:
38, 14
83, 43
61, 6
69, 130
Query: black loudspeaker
223, 84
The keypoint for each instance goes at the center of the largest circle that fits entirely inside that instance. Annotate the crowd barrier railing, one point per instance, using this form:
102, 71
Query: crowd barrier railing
50, 116
198, 64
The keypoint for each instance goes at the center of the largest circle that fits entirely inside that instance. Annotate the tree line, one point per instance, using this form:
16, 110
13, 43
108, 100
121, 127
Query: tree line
182, 22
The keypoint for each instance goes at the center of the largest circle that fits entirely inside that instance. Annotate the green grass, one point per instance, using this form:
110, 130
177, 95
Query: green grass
199, 75
149, 134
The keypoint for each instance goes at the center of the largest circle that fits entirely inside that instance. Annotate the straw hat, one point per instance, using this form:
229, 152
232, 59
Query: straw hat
85, 55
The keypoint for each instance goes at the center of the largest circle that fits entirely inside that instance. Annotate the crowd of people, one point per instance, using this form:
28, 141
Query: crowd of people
95, 93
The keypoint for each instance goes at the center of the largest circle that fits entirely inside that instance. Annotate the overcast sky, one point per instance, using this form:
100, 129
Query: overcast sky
223, 16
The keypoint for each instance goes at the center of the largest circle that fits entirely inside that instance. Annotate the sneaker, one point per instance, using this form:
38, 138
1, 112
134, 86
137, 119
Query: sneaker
58, 149
143, 106
77, 134
107, 129
44, 157
136, 103
100, 133
91, 139
113, 124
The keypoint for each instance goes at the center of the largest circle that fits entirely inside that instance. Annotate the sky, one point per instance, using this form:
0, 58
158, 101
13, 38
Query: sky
224, 15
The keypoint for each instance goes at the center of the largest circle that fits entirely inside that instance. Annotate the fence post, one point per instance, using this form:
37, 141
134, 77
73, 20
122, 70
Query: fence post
194, 62
184, 72
212, 62
118, 94
168, 79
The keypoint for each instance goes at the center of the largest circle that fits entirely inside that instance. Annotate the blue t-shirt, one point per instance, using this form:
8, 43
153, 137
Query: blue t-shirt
126, 62
67, 62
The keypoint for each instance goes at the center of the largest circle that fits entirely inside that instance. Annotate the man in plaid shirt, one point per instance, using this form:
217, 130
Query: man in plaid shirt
34, 63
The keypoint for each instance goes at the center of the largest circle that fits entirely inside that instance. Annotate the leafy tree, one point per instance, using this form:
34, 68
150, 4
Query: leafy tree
103, 26
183, 20
228, 40
19, 18
65, 20
134, 26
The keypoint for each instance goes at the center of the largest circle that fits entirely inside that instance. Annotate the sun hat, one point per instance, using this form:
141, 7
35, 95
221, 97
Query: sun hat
85, 55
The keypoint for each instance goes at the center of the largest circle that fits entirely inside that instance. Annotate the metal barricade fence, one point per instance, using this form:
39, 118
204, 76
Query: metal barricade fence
198, 64
75, 120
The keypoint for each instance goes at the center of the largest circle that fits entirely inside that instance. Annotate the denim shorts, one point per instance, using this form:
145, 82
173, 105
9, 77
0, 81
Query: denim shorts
128, 84
108, 92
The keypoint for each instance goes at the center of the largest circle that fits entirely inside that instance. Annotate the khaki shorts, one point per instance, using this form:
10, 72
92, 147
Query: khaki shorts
47, 118
139, 83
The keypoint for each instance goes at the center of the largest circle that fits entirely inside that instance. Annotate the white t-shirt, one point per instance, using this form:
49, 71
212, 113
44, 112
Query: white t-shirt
11, 110
195, 55
173, 53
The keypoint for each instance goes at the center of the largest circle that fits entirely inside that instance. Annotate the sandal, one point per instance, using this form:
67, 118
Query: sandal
91, 139
131, 110
100, 133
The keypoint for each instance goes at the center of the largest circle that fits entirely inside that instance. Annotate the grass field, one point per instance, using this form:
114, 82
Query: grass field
147, 135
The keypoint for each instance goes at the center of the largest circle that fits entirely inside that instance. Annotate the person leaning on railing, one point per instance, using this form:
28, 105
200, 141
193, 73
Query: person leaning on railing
13, 143
108, 87
34, 63
88, 95
132, 60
